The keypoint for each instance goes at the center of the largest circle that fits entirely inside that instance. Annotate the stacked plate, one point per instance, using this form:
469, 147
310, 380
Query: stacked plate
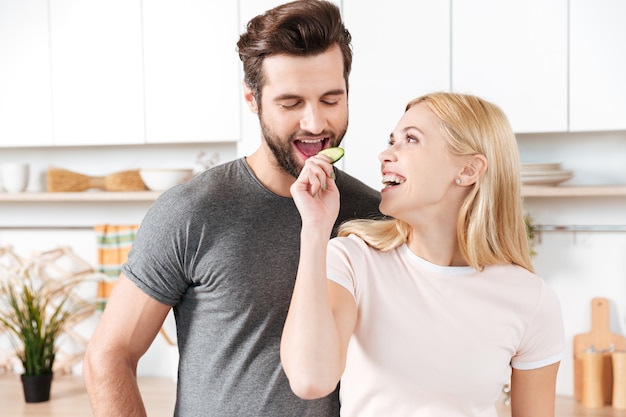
544, 174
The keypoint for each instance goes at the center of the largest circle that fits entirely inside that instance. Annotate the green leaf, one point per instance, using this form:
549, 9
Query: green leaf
35, 312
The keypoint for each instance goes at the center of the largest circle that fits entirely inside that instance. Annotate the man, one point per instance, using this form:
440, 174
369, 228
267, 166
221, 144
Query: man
222, 249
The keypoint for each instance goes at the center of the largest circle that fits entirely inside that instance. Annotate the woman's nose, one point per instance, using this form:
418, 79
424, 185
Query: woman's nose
387, 155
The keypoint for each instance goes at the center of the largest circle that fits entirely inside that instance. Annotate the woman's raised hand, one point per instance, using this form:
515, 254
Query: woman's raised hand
315, 193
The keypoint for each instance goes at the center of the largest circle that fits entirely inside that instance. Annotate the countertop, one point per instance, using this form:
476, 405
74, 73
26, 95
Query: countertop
69, 399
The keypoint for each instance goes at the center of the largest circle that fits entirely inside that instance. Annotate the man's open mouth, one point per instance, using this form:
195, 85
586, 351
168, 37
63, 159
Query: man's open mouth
310, 147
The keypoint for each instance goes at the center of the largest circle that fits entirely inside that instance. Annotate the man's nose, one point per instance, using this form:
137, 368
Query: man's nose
313, 120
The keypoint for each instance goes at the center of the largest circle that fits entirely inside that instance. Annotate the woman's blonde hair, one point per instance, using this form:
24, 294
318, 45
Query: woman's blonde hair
490, 224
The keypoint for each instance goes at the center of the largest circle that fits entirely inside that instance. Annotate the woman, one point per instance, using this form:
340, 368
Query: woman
432, 312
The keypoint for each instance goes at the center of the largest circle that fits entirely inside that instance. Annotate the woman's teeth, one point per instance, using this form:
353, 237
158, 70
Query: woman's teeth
391, 180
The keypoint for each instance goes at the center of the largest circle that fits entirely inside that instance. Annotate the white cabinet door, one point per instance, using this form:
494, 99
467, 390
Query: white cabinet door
514, 53
191, 71
25, 94
597, 65
401, 51
97, 72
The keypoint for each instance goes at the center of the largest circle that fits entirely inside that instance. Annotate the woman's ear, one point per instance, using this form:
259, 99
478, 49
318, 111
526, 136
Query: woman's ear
473, 170
248, 95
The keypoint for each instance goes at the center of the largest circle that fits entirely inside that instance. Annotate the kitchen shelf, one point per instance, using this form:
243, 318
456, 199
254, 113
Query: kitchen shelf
84, 196
574, 191
148, 196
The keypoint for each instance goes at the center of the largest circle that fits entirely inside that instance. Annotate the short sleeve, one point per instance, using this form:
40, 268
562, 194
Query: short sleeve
154, 263
543, 342
341, 255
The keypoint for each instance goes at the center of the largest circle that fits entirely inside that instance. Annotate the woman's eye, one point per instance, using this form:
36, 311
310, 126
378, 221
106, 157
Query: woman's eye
412, 139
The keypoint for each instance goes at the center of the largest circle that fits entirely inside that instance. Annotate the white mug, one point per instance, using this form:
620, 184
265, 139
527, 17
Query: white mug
14, 176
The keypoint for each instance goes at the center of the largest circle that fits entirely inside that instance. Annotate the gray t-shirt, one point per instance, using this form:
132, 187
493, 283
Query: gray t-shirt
223, 251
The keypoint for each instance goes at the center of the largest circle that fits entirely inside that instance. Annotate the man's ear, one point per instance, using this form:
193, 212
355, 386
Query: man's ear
248, 95
473, 170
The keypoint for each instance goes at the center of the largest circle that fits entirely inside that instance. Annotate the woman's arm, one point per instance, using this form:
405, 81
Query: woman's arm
533, 391
322, 314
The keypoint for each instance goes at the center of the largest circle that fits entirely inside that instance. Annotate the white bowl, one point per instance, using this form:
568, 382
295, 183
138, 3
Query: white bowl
161, 179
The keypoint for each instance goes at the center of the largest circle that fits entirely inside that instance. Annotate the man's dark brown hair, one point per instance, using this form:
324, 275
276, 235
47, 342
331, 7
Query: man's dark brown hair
299, 28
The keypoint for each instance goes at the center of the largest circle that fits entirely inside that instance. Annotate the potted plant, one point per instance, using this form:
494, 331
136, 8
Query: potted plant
531, 233
35, 312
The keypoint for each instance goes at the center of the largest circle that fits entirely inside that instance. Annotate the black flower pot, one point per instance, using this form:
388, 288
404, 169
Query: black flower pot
36, 387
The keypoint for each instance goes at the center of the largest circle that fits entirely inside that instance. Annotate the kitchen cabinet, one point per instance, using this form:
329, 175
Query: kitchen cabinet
97, 72
191, 71
597, 65
127, 72
401, 53
25, 89
514, 53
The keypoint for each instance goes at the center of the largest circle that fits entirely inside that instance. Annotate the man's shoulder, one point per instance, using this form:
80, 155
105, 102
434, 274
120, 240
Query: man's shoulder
235, 166
205, 187
358, 200
346, 183
220, 177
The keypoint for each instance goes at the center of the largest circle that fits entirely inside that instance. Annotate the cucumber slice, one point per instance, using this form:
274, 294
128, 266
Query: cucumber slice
335, 154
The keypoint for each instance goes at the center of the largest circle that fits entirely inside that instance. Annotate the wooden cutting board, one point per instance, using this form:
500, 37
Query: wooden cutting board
601, 339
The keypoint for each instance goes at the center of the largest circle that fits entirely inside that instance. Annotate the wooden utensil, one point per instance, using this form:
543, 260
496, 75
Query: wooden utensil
619, 380
599, 338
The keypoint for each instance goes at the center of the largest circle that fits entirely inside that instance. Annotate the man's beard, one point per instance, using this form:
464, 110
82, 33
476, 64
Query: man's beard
282, 148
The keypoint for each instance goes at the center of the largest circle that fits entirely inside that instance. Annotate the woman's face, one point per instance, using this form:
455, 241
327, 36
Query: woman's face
418, 170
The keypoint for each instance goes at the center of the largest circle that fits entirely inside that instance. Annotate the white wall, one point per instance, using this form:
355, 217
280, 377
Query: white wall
581, 265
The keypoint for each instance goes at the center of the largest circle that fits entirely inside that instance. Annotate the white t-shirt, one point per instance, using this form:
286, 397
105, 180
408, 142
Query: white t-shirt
438, 341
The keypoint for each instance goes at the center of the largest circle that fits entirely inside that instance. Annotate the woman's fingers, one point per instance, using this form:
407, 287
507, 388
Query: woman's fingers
315, 194
316, 172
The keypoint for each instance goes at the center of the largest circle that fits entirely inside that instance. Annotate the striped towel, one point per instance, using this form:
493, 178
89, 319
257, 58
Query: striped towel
114, 244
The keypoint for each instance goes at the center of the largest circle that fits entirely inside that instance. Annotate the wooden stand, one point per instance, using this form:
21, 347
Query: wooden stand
601, 340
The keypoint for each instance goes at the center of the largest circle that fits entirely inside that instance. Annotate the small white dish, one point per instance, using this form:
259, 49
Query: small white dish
161, 179
537, 166
552, 179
